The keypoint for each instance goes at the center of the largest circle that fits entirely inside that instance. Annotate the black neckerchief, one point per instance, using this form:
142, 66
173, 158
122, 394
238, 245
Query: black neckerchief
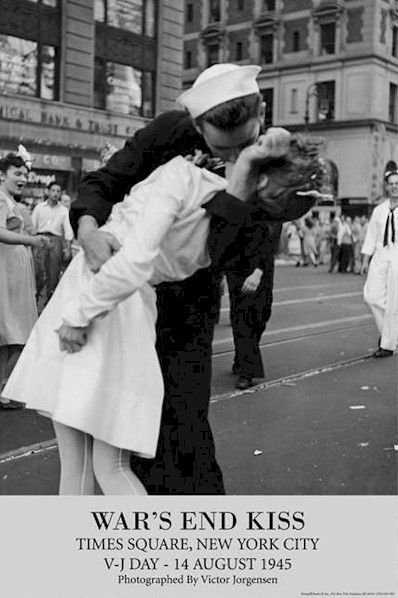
390, 218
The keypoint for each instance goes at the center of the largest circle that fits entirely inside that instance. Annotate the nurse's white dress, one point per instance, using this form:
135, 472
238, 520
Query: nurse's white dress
113, 388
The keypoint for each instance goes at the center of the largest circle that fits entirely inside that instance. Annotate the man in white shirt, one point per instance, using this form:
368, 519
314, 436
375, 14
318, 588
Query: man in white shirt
51, 218
381, 288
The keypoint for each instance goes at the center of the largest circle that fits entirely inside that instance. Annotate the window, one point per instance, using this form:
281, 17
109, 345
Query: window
269, 5
99, 10
240, 5
188, 60
325, 100
296, 41
214, 11
28, 68
212, 54
239, 51
126, 14
328, 38
293, 101
392, 103
267, 48
268, 97
394, 49
123, 89
190, 12
49, 60
136, 16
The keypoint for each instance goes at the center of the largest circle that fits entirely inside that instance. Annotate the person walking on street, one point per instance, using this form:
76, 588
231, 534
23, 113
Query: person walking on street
344, 242
294, 242
250, 296
51, 218
334, 247
320, 240
309, 243
380, 262
356, 229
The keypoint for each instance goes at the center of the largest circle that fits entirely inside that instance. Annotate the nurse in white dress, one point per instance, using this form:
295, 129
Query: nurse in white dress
381, 287
105, 396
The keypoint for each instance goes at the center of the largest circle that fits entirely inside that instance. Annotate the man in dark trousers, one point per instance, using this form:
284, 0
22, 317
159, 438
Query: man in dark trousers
225, 115
250, 287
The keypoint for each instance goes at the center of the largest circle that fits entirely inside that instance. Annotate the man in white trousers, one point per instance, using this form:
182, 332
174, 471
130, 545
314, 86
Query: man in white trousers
381, 287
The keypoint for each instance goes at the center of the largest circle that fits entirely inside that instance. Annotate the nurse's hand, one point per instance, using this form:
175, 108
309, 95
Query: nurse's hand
71, 339
98, 246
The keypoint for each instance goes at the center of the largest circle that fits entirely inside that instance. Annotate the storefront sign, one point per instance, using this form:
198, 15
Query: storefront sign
51, 161
65, 117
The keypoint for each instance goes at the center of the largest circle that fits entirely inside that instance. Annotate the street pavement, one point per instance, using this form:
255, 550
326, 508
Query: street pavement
322, 421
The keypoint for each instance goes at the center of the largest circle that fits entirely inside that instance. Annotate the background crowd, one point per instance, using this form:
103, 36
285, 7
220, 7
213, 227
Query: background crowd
335, 242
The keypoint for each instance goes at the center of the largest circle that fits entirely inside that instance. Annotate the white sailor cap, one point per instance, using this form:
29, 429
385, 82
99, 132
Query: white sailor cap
218, 84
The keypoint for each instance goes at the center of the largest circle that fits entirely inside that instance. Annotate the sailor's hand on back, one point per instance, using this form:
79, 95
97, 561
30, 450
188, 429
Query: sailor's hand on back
98, 246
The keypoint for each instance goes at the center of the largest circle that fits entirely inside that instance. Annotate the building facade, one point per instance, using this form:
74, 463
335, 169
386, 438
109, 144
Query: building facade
76, 74
328, 66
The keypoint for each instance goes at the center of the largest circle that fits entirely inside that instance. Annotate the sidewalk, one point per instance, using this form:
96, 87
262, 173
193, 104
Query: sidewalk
326, 432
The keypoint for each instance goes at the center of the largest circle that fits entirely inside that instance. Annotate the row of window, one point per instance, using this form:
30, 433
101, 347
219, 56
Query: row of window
31, 68
325, 102
327, 45
214, 15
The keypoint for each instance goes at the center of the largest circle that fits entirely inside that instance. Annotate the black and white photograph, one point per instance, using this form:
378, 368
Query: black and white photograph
198, 298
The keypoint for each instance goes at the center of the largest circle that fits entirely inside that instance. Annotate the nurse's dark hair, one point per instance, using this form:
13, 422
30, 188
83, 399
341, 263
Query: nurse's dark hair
233, 113
11, 160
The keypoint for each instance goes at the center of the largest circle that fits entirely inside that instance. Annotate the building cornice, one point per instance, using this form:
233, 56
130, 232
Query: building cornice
267, 21
332, 125
328, 9
329, 62
213, 32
